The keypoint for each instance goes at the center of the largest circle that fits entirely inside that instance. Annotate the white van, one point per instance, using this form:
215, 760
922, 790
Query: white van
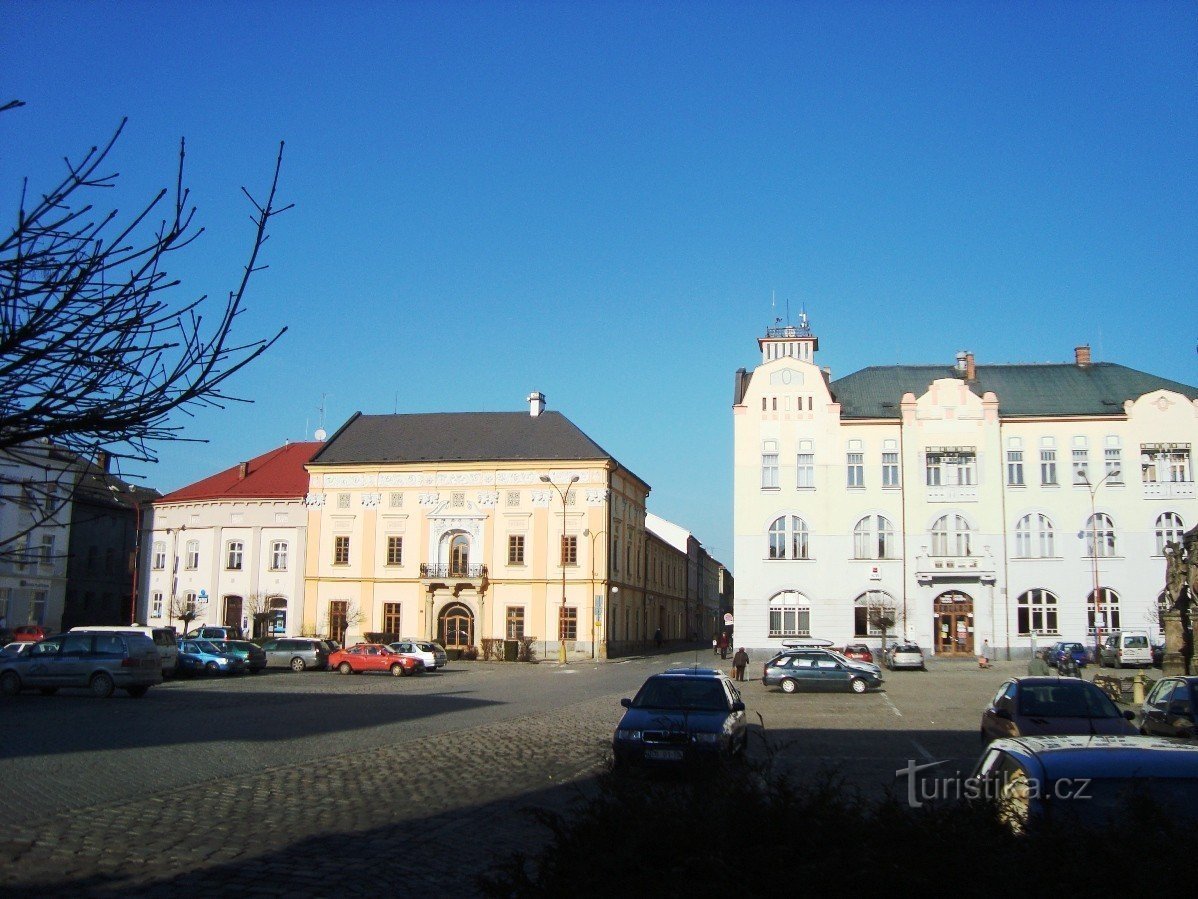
165, 639
1123, 648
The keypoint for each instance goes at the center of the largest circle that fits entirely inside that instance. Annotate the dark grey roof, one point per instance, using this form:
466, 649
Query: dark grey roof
1022, 390
459, 437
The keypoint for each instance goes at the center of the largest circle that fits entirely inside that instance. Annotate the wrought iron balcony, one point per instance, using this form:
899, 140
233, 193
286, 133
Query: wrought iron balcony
444, 570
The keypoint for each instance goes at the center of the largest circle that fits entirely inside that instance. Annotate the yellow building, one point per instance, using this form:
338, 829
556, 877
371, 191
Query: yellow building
470, 527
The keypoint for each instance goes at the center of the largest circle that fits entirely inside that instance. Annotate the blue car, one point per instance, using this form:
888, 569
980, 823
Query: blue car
1074, 649
681, 718
204, 657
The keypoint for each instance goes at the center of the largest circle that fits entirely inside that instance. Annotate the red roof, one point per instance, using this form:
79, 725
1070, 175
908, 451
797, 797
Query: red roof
277, 474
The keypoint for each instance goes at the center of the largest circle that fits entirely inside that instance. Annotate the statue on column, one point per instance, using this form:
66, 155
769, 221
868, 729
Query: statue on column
1181, 583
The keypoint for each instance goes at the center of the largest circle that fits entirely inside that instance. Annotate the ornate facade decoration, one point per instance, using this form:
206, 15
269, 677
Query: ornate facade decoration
314, 500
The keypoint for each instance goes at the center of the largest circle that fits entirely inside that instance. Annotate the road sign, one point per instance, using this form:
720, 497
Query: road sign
728, 619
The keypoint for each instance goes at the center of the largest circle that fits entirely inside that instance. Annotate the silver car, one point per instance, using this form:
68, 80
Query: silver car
905, 655
432, 654
296, 653
100, 661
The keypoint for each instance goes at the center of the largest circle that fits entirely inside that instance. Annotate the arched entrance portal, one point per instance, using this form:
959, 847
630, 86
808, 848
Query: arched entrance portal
455, 626
954, 624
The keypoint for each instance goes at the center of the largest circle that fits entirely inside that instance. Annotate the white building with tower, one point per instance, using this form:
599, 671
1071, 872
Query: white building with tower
1016, 504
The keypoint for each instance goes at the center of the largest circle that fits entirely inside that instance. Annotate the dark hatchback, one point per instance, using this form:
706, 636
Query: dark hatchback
1169, 709
681, 718
1051, 706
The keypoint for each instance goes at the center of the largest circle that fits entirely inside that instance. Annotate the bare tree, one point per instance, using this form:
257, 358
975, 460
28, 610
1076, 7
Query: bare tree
96, 355
184, 609
884, 615
260, 609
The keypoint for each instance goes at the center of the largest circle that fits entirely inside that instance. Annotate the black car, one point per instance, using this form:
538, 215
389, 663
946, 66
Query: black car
679, 718
1169, 709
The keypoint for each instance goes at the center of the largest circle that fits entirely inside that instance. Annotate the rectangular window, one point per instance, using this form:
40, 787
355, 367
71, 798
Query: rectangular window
338, 618
769, 471
1081, 466
890, 470
37, 608
569, 550
391, 619
1114, 465
394, 551
192, 561
515, 622
159, 562
855, 463
341, 550
1169, 463
567, 624
278, 555
48, 549
1015, 468
1048, 467
156, 606
515, 549
233, 561
805, 471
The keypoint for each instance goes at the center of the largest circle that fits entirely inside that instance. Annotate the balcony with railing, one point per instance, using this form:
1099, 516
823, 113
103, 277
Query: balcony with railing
929, 568
445, 571
1169, 490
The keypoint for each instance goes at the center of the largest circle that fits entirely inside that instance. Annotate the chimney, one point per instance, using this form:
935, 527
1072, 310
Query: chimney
103, 461
243, 469
1081, 355
536, 403
960, 367
971, 370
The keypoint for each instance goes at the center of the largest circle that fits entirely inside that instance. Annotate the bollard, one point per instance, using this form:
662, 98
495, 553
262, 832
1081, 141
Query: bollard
1137, 689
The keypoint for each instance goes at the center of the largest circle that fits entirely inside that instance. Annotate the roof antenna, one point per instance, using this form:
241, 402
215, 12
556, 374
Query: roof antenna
774, 306
321, 433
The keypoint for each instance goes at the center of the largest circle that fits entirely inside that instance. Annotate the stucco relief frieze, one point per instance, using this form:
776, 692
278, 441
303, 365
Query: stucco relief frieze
372, 500
558, 476
488, 499
314, 500
429, 499
406, 479
349, 480
597, 497
540, 498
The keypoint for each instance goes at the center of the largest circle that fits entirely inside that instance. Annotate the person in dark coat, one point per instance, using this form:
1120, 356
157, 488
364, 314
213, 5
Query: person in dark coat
739, 661
722, 642
657, 637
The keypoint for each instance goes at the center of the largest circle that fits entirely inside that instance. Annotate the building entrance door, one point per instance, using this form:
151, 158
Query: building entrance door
233, 607
455, 627
954, 624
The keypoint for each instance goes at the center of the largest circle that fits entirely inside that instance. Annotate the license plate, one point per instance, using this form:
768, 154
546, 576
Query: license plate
665, 755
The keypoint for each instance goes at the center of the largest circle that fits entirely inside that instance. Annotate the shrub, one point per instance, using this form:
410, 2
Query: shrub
528, 650
470, 653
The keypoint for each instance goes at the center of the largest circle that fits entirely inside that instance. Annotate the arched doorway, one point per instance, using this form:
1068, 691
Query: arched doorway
455, 626
954, 624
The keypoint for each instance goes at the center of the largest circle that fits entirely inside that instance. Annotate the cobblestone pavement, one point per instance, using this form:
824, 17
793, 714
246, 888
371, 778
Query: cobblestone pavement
429, 809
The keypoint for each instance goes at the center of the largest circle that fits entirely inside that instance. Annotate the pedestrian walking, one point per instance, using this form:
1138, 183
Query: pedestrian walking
739, 661
1037, 667
984, 658
723, 645
657, 638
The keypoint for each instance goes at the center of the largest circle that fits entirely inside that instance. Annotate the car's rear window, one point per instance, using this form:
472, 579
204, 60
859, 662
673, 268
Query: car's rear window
1135, 642
691, 693
1076, 699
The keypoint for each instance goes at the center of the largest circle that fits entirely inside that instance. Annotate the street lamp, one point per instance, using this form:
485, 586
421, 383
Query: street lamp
561, 638
1093, 488
586, 532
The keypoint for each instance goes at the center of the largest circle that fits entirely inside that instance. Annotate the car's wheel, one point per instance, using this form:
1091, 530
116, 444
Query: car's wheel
298, 664
788, 685
212, 667
345, 668
10, 683
102, 686
48, 691
397, 670
137, 692
858, 685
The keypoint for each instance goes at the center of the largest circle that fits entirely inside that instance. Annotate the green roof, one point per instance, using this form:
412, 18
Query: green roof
1022, 390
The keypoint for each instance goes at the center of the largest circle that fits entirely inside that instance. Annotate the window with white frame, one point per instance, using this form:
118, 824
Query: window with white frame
891, 476
156, 605
1168, 530
951, 466
1100, 536
1165, 463
191, 560
1081, 465
1113, 461
873, 538
1036, 613
1048, 466
874, 612
788, 538
234, 553
855, 469
278, 555
1104, 610
47, 549
159, 557
1034, 537
769, 465
1014, 468
790, 615
37, 608
805, 471
951, 536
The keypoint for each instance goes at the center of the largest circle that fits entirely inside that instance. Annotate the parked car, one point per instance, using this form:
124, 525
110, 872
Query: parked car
102, 662
165, 638
1126, 648
204, 656
1042, 706
431, 654
363, 657
819, 670
858, 652
31, 633
1058, 649
251, 653
905, 655
1085, 779
15, 649
214, 632
680, 718
296, 653
1168, 711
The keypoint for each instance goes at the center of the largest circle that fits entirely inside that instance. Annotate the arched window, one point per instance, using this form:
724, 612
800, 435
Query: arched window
873, 538
1036, 613
950, 536
872, 612
788, 538
790, 615
1106, 610
1100, 536
1168, 530
1034, 537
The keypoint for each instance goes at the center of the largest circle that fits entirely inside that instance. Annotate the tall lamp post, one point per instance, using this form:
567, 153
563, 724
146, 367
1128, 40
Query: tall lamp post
1093, 488
595, 625
561, 639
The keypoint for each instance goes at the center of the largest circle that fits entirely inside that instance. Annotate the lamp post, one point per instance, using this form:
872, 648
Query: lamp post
561, 639
595, 626
1093, 488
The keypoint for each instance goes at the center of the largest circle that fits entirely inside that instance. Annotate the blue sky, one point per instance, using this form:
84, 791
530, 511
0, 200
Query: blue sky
598, 200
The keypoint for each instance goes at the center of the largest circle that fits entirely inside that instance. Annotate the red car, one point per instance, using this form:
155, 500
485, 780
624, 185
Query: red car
29, 633
858, 652
373, 657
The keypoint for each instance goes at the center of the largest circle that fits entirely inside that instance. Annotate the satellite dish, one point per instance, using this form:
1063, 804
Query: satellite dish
320, 434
